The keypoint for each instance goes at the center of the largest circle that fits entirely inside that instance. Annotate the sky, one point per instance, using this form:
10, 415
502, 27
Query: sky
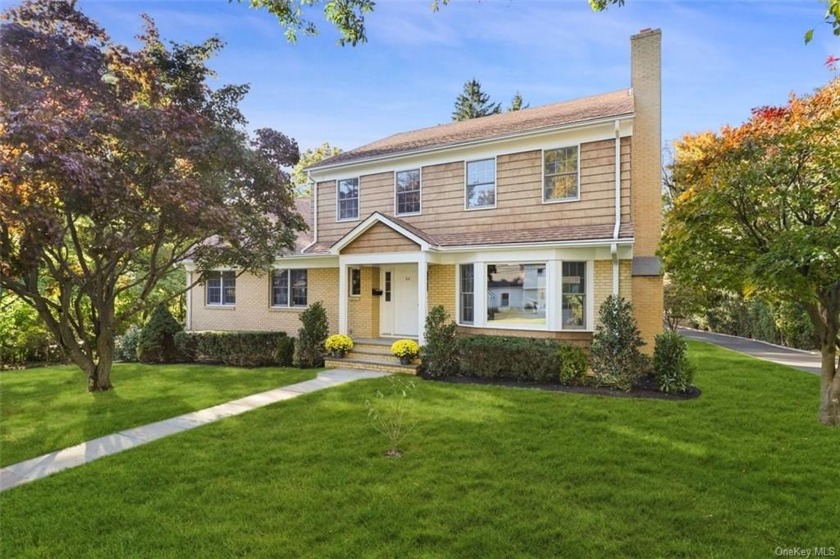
719, 59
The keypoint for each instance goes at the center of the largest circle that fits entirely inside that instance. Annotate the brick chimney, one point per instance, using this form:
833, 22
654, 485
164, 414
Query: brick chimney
646, 180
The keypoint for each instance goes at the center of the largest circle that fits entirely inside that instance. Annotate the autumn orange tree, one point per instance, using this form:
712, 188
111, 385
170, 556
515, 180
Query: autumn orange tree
756, 209
115, 166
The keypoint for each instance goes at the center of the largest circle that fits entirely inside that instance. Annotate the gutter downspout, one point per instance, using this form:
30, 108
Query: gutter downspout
614, 245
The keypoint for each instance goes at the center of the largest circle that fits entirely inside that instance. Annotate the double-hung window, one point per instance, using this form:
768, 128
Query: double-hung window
481, 184
408, 192
560, 174
467, 293
289, 288
574, 295
348, 199
220, 288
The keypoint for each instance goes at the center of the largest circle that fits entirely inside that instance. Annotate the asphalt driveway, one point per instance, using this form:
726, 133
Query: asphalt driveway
808, 361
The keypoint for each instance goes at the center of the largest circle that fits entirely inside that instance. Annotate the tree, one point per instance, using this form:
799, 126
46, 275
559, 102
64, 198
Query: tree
474, 103
300, 180
348, 16
115, 166
757, 211
516, 104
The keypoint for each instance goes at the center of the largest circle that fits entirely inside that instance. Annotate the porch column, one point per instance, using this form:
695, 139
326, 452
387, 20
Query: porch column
342, 296
422, 296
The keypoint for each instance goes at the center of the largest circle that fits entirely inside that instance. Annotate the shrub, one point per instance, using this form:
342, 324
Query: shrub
509, 357
405, 349
573, 364
285, 351
125, 346
156, 343
616, 359
439, 355
187, 344
338, 343
673, 371
23, 335
309, 349
239, 349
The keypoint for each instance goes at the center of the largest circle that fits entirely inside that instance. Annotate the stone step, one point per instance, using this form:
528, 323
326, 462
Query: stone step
371, 365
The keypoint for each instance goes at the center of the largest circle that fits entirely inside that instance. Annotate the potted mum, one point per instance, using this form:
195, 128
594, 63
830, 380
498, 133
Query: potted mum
338, 344
406, 350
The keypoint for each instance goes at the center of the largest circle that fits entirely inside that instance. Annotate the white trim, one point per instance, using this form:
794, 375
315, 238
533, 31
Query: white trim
538, 245
369, 222
422, 297
343, 307
617, 227
495, 159
338, 219
534, 133
308, 261
396, 194
542, 175
381, 258
458, 294
350, 283
189, 294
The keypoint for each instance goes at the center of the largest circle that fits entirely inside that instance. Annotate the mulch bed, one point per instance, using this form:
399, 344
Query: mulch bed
645, 388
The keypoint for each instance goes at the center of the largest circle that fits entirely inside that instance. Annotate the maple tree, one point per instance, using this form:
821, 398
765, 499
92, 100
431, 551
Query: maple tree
118, 164
756, 209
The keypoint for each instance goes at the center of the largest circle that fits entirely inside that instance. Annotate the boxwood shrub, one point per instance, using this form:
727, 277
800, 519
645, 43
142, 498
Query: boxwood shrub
509, 357
240, 349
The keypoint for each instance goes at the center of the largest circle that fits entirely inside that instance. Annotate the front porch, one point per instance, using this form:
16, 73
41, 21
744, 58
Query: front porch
372, 354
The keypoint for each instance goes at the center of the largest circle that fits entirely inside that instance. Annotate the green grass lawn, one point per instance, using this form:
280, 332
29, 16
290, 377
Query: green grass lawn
47, 409
487, 472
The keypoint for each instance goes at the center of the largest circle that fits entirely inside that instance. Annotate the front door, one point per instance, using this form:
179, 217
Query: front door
398, 306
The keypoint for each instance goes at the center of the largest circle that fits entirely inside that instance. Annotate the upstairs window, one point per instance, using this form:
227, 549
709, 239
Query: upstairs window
408, 192
481, 184
289, 288
220, 288
560, 174
348, 199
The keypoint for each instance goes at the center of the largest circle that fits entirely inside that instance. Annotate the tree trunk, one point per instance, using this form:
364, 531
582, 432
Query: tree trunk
824, 316
99, 376
829, 382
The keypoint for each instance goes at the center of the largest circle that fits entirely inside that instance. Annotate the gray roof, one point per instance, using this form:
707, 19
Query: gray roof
596, 107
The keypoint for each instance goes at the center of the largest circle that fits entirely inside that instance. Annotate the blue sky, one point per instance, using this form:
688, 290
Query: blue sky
720, 59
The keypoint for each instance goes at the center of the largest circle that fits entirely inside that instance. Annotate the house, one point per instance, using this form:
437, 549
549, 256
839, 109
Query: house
520, 223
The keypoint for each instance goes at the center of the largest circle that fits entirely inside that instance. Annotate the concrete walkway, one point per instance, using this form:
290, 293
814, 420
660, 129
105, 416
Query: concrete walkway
808, 361
42, 466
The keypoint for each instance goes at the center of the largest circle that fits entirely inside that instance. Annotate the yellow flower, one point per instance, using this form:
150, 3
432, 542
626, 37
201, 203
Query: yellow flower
338, 342
405, 348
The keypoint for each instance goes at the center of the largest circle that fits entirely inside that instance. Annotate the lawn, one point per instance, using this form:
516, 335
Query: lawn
47, 409
742, 471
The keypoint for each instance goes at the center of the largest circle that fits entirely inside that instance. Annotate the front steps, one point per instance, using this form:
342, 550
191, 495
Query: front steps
372, 354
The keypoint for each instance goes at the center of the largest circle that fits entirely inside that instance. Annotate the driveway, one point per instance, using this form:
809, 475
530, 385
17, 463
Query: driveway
808, 361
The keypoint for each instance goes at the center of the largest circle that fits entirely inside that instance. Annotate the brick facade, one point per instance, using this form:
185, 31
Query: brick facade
253, 311
363, 311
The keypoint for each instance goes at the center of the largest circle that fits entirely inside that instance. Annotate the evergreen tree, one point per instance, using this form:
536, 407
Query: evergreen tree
516, 104
474, 103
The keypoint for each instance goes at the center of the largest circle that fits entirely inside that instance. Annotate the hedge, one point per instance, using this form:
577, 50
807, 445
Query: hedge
240, 349
515, 358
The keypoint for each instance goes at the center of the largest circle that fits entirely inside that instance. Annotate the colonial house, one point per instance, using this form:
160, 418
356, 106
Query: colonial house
520, 223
